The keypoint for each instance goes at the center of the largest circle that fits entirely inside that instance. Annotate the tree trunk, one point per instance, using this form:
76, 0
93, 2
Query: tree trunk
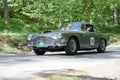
116, 20
6, 13
24, 3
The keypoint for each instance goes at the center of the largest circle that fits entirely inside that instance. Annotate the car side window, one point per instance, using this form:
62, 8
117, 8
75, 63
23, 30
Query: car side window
89, 28
75, 26
82, 28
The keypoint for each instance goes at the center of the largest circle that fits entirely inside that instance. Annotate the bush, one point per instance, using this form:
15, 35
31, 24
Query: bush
15, 25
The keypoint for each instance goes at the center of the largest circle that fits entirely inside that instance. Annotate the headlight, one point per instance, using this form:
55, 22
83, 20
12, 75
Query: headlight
59, 35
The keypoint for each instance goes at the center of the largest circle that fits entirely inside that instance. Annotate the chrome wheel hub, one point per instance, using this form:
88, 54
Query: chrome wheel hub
72, 45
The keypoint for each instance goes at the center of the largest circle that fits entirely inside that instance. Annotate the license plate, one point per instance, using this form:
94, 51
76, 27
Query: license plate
40, 45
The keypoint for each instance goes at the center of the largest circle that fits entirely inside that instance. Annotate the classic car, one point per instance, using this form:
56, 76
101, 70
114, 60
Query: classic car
70, 37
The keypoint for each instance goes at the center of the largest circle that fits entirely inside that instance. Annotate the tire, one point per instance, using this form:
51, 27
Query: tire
102, 46
71, 47
38, 52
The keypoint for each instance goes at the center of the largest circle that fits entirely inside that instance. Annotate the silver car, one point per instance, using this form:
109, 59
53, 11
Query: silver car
70, 37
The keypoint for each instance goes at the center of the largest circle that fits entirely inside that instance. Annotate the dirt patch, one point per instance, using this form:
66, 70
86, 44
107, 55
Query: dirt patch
105, 71
68, 75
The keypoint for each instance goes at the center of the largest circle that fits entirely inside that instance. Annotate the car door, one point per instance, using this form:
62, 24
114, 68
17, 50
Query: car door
91, 36
83, 37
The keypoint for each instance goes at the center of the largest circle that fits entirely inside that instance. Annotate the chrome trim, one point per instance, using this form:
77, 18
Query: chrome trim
48, 45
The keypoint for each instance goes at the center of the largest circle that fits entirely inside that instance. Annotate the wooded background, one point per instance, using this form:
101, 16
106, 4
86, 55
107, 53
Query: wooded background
22, 17
54, 11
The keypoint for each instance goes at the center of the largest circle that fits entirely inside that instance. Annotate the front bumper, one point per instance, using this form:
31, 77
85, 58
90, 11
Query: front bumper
50, 48
46, 46
44, 42
57, 47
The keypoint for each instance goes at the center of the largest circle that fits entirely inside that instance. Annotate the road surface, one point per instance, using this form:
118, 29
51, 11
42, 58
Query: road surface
16, 67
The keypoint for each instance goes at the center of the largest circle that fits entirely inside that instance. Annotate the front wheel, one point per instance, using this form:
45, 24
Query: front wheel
102, 46
38, 52
71, 47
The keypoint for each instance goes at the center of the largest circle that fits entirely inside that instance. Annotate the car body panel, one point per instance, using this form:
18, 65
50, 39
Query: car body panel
58, 38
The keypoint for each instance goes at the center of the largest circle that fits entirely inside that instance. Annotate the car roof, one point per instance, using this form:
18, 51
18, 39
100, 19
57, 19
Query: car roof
76, 22
79, 23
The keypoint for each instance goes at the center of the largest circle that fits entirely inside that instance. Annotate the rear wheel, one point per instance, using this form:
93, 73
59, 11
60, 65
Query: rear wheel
38, 52
71, 47
102, 46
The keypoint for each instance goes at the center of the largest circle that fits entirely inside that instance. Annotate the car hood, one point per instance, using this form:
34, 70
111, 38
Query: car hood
52, 34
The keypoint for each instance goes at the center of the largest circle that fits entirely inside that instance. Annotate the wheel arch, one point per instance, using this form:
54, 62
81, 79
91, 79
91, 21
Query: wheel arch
78, 42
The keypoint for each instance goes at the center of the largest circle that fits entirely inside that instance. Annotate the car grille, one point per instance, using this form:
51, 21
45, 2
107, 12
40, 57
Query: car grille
46, 40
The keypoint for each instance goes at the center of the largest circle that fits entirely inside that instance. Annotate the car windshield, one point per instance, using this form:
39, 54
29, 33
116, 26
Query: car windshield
71, 26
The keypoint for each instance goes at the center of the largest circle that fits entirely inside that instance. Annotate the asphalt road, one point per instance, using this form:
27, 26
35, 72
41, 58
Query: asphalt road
15, 67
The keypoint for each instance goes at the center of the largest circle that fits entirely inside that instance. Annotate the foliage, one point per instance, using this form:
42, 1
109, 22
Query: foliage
54, 11
51, 12
12, 41
15, 26
35, 16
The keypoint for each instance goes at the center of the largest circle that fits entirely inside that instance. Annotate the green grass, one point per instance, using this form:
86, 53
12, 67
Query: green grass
13, 36
11, 49
12, 42
112, 30
116, 43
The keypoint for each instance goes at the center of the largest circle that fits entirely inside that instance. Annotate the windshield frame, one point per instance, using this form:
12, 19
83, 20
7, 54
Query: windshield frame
75, 26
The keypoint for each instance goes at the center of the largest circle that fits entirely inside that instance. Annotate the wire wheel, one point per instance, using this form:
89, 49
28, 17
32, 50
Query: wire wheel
102, 46
38, 52
71, 47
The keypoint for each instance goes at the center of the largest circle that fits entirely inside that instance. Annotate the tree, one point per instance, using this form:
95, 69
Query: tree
116, 20
6, 12
114, 4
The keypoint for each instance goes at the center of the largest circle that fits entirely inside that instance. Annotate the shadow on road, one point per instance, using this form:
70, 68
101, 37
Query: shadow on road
18, 59
58, 57
68, 77
67, 74
89, 55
